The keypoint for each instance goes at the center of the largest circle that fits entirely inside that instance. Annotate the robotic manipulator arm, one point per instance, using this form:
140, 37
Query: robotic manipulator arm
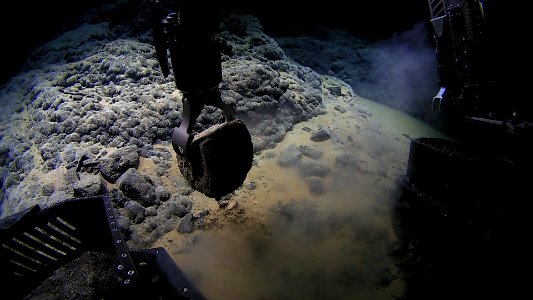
472, 61
189, 31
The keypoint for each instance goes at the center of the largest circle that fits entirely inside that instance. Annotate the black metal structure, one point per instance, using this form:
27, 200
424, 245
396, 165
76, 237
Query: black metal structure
36, 242
189, 31
460, 219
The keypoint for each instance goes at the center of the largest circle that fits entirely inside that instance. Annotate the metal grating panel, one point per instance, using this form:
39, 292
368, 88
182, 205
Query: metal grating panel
437, 8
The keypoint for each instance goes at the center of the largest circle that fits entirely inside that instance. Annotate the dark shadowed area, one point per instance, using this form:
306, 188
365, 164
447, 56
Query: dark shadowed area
25, 25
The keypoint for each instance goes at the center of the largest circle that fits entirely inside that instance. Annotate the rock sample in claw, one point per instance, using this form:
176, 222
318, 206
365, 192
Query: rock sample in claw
220, 158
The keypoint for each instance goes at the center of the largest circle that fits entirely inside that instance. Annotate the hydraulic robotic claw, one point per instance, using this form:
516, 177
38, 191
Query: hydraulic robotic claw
214, 162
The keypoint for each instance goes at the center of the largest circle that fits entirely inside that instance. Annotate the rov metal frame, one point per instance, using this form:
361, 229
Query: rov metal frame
36, 242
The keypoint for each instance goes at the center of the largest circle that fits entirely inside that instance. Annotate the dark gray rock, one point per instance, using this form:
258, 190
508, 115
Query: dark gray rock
117, 197
162, 165
251, 185
311, 151
335, 90
138, 187
150, 211
48, 189
290, 156
161, 193
186, 224
71, 177
123, 223
11, 179
313, 168
88, 185
180, 206
322, 134
4, 154
48, 151
23, 163
135, 211
118, 162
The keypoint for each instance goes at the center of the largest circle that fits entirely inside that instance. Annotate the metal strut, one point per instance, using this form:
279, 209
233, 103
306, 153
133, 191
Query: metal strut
193, 103
125, 268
